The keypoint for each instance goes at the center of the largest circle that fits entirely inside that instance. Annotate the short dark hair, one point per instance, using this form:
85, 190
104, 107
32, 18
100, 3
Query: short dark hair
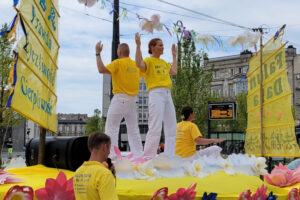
186, 112
152, 43
124, 48
96, 139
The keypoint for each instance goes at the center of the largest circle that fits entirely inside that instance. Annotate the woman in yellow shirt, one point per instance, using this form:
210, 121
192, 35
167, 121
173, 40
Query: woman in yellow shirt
188, 136
156, 73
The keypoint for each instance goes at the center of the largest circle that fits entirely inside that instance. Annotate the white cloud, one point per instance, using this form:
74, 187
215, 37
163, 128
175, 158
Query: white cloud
79, 85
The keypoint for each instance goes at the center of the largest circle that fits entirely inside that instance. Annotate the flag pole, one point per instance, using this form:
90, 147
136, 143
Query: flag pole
262, 151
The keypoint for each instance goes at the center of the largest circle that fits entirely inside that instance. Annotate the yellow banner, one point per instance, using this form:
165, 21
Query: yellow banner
38, 61
33, 77
33, 99
49, 11
278, 123
38, 24
279, 141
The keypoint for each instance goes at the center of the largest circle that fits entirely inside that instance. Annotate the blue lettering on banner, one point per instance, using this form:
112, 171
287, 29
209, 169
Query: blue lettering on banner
43, 5
34, 97
52, 18
36, 22
38, 60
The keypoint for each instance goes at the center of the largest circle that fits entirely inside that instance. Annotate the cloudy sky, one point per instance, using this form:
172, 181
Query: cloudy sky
79, 86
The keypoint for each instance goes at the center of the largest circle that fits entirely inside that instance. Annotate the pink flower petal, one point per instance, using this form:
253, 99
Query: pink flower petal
129, 156
16, 191
42, 194
118, 152
61, 178
13, 180
162, 193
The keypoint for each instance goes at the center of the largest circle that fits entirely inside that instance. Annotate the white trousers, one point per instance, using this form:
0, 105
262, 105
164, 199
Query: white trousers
123, 106
161, 109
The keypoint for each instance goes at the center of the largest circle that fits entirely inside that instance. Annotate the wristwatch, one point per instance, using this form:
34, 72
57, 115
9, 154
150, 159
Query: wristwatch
97, 54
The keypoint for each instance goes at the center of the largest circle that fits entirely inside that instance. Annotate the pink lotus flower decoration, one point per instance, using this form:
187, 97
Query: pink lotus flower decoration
182, 194
19, 192
6, 178
246, 195
59, 188
260, 194
294, 194
161, 194
281, 176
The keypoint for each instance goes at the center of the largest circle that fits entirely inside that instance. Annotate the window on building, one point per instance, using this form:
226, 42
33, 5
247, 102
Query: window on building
145, 88
216, 74
232, 72
140, 100
240, 70
231, 90
241, 86
141, 86
218, 90
145, 100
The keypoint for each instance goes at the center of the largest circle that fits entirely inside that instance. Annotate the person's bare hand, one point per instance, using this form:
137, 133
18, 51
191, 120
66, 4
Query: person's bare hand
220, 140
138, 39
174, 50
99, 47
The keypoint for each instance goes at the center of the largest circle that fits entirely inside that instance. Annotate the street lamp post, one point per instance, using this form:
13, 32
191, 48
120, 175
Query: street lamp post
179, 33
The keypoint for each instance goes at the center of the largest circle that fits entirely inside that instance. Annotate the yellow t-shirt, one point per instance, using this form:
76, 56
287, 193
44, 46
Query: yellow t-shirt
125, 76
157, 73
93, 181
185, 145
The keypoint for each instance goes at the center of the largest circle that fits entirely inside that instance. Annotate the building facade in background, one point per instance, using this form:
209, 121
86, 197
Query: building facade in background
71, 124
229, 74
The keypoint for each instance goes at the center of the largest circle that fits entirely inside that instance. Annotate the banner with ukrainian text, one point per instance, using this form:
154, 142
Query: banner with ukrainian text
34, 74
278, 123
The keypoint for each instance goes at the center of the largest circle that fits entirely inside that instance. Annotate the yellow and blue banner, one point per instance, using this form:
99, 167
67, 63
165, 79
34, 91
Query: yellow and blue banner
33, 75
278, 122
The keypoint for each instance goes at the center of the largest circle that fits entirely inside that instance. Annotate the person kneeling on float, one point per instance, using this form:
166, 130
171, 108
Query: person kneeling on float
188, 136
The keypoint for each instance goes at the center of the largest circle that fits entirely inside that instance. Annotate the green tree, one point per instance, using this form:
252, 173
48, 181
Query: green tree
240, 123
191, 85
8, 117
95, 123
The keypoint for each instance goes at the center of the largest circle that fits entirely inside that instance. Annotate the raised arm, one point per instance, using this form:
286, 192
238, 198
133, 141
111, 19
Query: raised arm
138, 54
173, 70
101, 68
204, 141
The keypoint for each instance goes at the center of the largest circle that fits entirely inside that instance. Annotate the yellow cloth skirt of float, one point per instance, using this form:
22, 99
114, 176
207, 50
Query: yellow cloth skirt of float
228, 187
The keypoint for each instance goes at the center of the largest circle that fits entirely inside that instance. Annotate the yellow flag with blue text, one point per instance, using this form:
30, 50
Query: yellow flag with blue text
278, 122
33, 75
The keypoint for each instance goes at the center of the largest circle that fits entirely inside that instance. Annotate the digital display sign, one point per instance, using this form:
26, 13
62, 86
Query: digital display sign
224, 110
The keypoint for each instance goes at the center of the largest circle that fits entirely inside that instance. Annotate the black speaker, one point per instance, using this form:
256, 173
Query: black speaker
61, 152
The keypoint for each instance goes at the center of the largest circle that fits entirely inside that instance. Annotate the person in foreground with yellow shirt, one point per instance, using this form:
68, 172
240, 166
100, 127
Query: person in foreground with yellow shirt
92, 180
156, 73
188, 136
125, 80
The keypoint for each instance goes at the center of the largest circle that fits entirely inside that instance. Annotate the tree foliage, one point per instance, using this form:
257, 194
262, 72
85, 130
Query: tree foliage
95, 123
240, 123
191, 85
8, 117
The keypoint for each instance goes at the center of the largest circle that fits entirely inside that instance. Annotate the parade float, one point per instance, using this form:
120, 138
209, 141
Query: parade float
270, 129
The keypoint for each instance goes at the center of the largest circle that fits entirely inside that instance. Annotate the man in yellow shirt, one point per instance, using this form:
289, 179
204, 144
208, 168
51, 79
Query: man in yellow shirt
125, 80
188, 136
92, 180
